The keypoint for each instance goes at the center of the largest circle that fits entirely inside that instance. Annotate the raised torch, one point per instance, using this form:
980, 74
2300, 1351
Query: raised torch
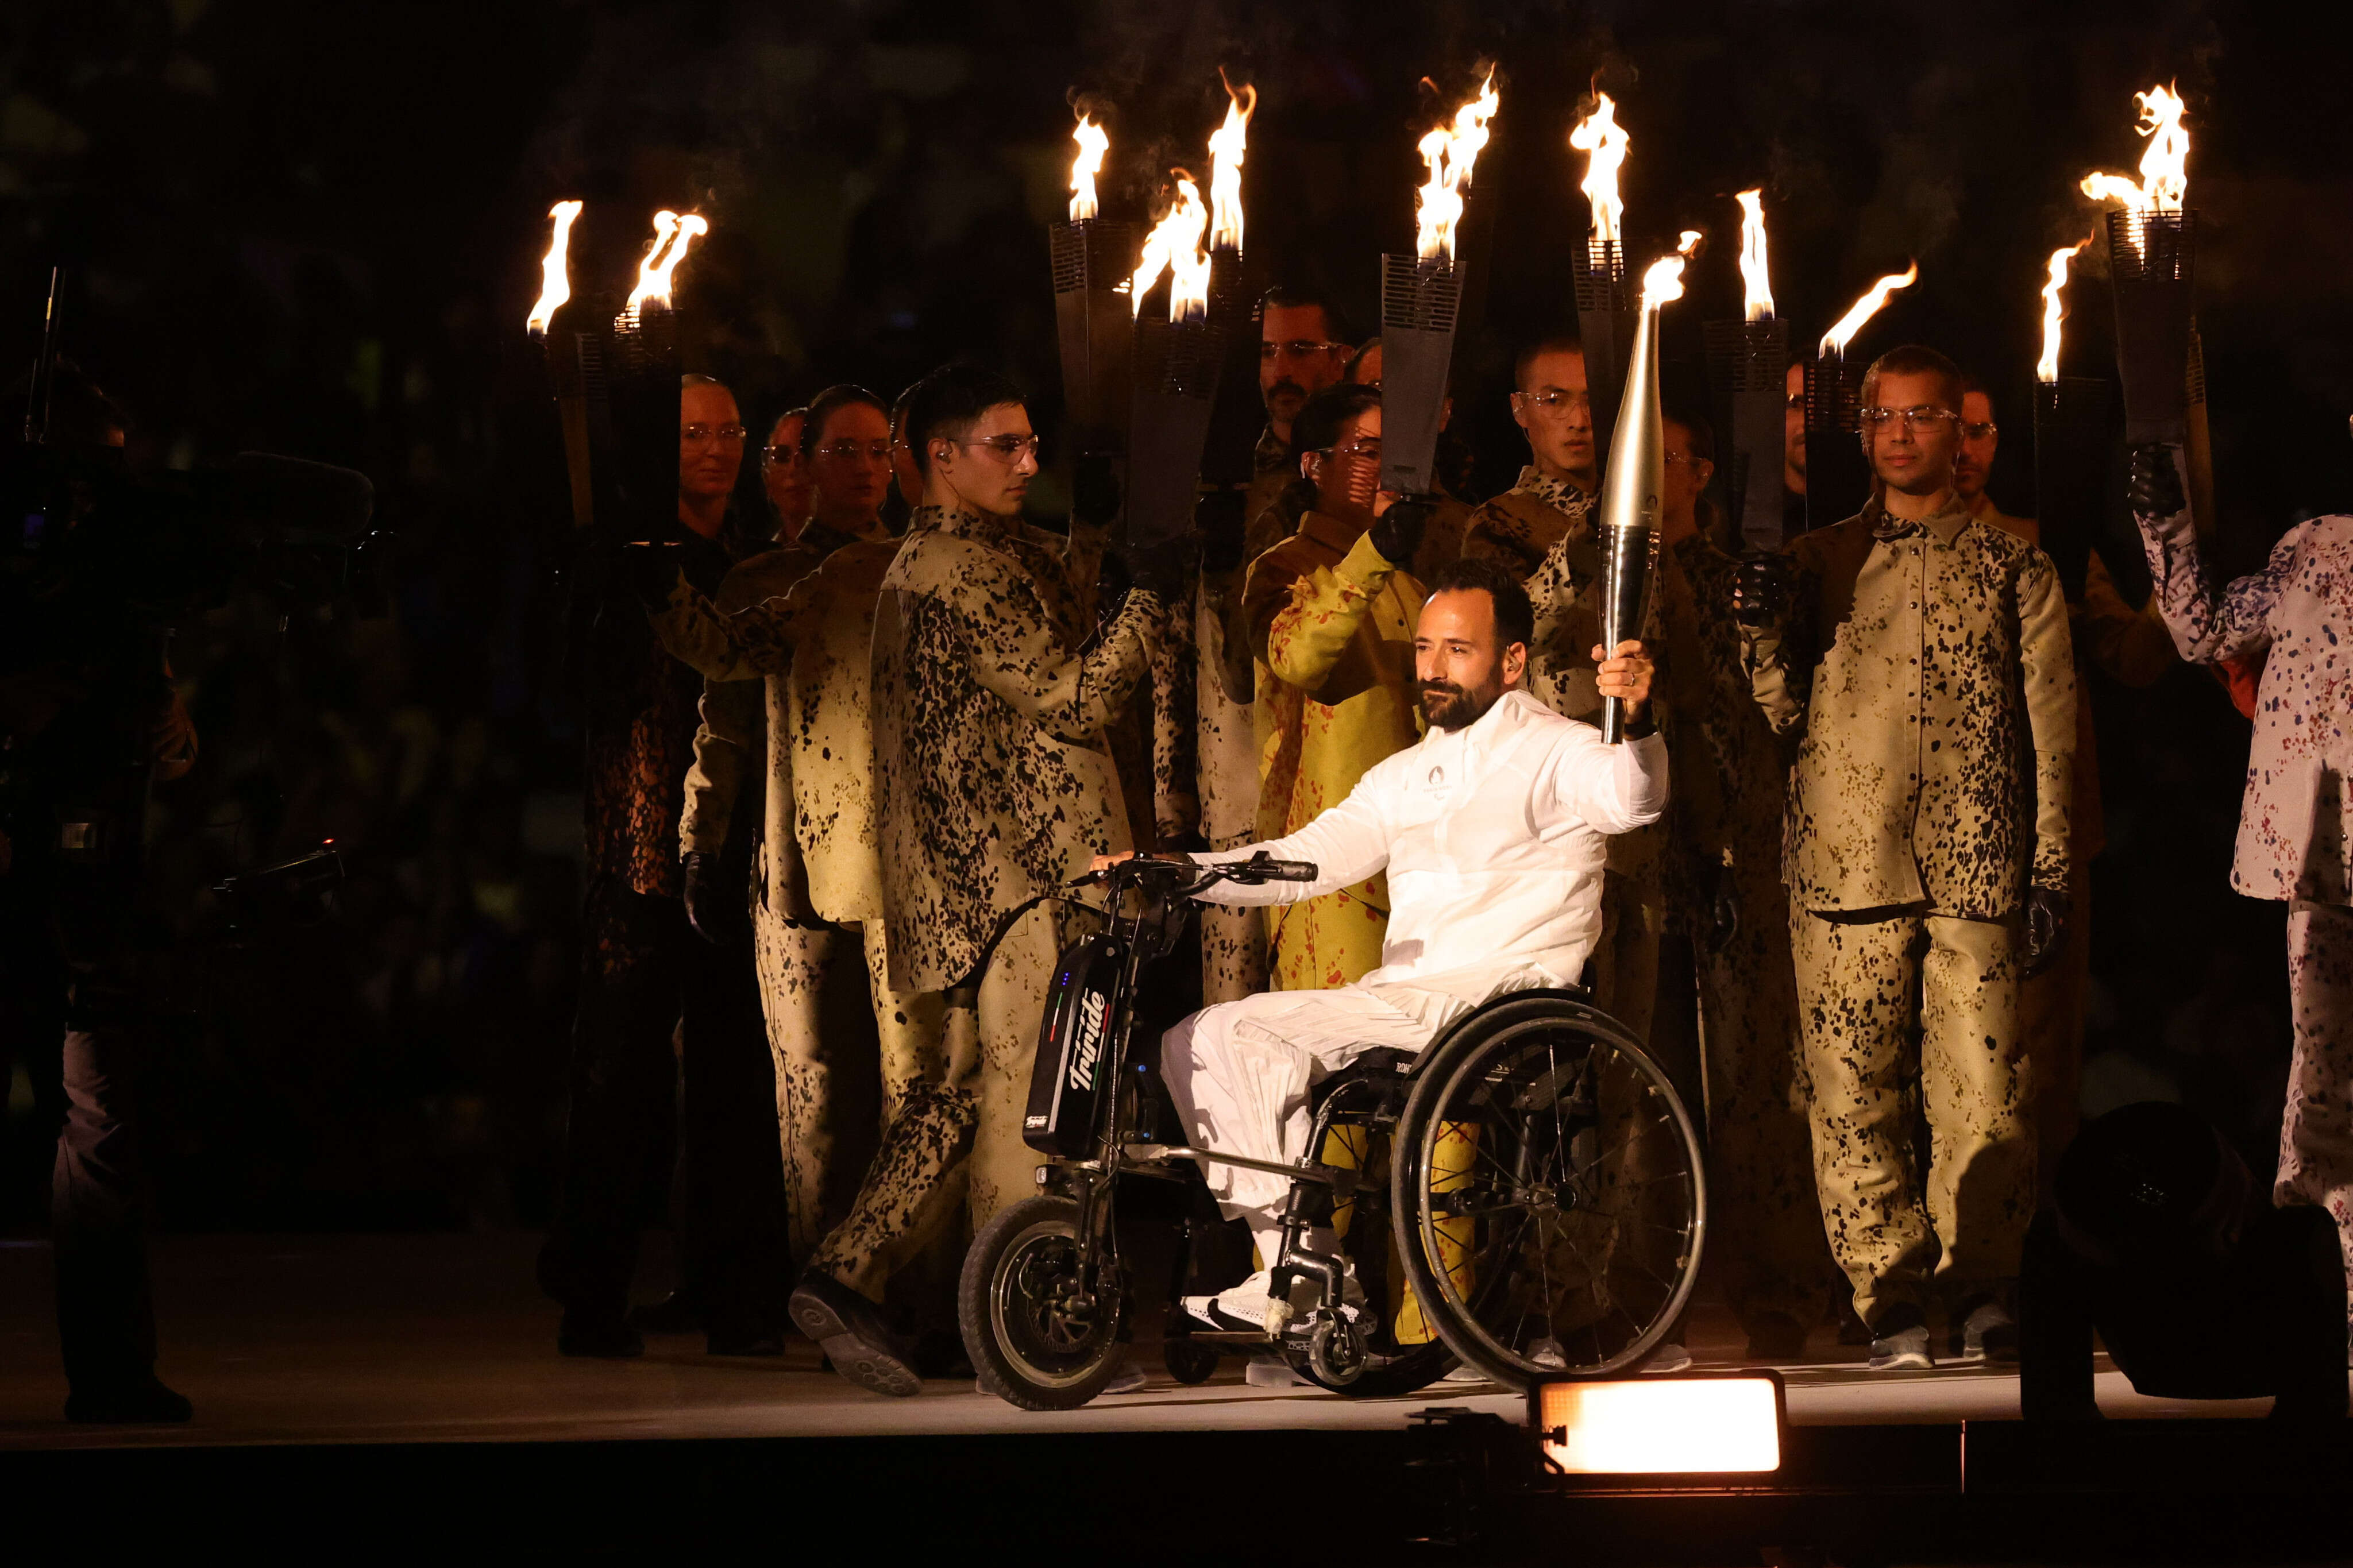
1605, 307
1634, 478
2070, 442
575, 357
1092, 315
1421, 301
1748, 363
643, 376
1838, 475
1176, 366
1227, 460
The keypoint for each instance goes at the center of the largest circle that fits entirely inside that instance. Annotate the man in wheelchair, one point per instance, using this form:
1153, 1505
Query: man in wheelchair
1491, 828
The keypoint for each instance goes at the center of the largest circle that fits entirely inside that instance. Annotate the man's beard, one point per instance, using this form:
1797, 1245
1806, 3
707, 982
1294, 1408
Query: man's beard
1450, 707
1281, 390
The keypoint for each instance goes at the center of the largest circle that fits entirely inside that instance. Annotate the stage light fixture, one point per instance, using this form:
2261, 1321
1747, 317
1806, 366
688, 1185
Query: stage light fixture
1696, 1424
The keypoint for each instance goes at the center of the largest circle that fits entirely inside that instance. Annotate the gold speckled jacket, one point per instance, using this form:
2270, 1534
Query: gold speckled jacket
1331, 623
991, 695
1927, 667
2292, 828
1539, 522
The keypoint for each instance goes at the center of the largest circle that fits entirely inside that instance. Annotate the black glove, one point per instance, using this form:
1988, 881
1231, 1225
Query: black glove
1397, 532
652, 571
1164, 570
1221, 518
2046, 928
1762, 587
1094, 489
2154, 487
708, 908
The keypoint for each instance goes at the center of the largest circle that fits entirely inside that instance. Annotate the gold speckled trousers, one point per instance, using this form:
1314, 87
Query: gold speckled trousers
2315, 1157
1869, 984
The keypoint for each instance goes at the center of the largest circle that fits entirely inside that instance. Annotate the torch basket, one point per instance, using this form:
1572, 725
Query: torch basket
2151, 267
1605, 325
2071, 471
1747, 365
1229, 458
1093, 318
641, 394
1420, 301
1176, 366
1838, 479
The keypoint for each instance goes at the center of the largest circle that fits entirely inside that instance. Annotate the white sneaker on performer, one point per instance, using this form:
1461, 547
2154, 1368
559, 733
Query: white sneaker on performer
1466, 1376
1238, 1308
1667, 1357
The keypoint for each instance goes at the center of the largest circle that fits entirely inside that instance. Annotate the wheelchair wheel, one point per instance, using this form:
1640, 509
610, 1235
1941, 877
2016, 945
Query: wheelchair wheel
1040, 1336
1547, 1147
1187, 1363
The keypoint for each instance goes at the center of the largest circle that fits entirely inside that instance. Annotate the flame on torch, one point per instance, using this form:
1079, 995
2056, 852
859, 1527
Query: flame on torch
1226, 147
1662, 284
1756, 278
2046, 369
1450, 153
1835, 341
1094, 142
672, 234
1174, 245
1599, 136
2164, 168
555, 283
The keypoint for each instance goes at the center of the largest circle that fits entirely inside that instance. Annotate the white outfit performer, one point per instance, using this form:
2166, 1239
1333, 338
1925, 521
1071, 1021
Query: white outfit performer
1493, 837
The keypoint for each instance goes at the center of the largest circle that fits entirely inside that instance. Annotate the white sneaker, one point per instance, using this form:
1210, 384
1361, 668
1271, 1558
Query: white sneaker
1242, 1307
1669, 1357
1126, 1378
1271, 1372
1466, 1376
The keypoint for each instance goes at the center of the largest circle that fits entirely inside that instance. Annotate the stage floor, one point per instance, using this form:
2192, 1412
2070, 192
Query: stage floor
443, 1339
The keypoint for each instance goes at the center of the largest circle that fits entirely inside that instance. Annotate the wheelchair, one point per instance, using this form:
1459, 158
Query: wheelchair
1525, 1195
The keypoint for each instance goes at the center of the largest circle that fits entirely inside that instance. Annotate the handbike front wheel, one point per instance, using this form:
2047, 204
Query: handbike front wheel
1555, 1154
1040, 1336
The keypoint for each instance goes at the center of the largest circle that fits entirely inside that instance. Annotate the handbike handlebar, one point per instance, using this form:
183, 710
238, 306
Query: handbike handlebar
1259, 868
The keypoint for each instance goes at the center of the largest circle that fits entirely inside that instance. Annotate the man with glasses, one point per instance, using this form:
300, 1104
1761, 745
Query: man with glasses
646, 977
1330, 614
2133, 648
1301, 350
1920, 659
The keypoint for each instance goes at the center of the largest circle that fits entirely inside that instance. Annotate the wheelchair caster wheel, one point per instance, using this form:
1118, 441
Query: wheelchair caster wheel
1335, 1353
1187, 1363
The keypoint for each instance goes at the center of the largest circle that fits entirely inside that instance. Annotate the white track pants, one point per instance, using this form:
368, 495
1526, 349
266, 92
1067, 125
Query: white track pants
1240, 1073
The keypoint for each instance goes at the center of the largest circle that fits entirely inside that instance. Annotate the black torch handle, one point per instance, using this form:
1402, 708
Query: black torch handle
1626, 575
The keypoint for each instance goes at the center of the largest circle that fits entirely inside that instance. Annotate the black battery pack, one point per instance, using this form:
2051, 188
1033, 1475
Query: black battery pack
1072, 1070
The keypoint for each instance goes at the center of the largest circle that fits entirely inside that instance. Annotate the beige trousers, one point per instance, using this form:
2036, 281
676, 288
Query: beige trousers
1869, 984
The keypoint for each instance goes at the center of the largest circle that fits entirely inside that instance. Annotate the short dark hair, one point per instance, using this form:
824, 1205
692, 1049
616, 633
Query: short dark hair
831, 402
1370, 346
1327, 413
1558, 343
1515, 617
1701, 433
1299, 297
949, 402
1913, 359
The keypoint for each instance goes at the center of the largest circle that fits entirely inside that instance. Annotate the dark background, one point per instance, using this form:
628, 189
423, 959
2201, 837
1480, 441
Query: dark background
315, 229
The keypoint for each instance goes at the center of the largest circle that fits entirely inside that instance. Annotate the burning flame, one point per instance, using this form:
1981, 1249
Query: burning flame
2164, 168
1226, 167
1175, 243
2047, 368
555, 284
1663, 283
1835, 341
1756, 278
672, 234
1600, 136
1450, 153
1094, 142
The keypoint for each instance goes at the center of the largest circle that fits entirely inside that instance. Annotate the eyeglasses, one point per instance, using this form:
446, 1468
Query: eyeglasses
779, 454
1370, 451
1555, 399
845, 451
1012, 449
1685, 458
1295, 348
1912, 418
726, 435
1980, 430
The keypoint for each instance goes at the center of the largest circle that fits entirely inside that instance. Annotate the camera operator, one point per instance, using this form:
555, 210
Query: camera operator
89, 721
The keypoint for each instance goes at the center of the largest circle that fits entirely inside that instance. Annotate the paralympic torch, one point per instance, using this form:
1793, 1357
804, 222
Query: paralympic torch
1838, 476
1605, 310
1421, 303
1634, 480
1747, 361
2071, 451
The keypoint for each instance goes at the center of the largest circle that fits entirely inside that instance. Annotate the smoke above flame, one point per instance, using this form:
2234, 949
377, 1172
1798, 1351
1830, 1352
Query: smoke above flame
1662, 283
1599, 136
1755, 277
2164, 167
1835, 341
672, 234
2053, 312
555, 280
1450, 151
1094, 142
1226, 148
1175, 245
